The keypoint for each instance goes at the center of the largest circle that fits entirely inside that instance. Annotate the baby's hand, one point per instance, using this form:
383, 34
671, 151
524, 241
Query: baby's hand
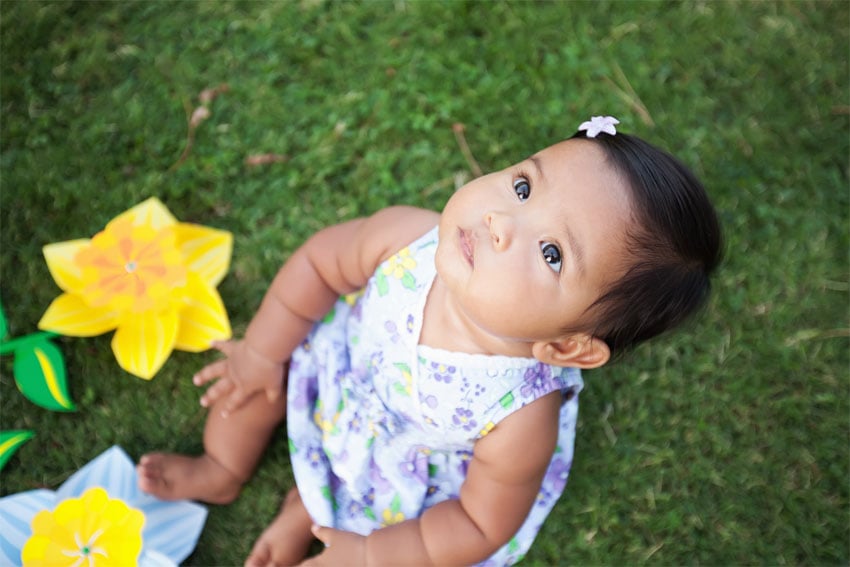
242, 373
341, 548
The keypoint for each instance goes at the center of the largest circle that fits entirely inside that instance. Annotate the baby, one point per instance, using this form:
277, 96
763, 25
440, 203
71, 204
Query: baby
431, 411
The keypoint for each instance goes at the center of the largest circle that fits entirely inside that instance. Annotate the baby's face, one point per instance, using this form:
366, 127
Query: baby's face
524, 251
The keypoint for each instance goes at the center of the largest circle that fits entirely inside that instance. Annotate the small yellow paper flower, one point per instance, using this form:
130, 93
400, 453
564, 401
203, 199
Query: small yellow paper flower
90, 531
148, 276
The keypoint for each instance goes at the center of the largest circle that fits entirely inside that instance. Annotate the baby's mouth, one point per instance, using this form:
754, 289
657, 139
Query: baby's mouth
467, 246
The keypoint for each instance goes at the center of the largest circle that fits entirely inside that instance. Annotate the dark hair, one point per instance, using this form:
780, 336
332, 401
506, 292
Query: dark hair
673, 245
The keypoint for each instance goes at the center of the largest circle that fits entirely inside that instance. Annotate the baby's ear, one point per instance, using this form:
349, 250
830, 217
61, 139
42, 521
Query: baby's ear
579, 350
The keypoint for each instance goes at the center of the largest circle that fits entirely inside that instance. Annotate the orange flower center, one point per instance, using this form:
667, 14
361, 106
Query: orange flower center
131, 268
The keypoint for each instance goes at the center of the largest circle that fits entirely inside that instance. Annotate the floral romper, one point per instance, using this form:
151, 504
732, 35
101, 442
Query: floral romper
381, 428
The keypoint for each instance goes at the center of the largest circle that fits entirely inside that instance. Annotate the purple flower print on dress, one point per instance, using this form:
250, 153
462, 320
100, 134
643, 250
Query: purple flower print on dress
463, 418
376, 359
538, 381
340, 376
356, 423
369, 498
294, 366
306, 393
442, 372
316, 456
557, 474
544, 496
410, 322
440, 489
465, 457
380, 483
430, 400
415, 465
360, 375
392, 329
357, 310
355, 509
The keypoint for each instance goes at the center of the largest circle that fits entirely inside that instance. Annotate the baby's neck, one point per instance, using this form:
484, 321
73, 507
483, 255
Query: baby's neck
446, 327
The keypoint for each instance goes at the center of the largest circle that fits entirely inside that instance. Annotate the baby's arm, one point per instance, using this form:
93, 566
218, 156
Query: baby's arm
333, 262
502, 483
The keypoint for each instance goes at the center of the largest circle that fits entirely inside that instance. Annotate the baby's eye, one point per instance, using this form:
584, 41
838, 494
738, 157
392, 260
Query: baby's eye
522, 188
552, 255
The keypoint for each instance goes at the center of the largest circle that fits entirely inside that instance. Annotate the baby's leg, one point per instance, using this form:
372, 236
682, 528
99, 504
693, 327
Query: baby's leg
233, 446
287, 539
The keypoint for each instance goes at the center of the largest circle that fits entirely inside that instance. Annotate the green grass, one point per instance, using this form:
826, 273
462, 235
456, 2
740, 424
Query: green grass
726, 443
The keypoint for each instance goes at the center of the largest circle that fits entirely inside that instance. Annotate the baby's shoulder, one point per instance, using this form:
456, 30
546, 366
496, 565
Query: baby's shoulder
414, 221
392, 228
527, 436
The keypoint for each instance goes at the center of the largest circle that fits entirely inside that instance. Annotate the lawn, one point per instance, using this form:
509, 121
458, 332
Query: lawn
726, 443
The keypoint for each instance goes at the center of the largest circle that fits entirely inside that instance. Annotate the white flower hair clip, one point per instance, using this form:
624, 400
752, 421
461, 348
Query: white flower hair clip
598, 124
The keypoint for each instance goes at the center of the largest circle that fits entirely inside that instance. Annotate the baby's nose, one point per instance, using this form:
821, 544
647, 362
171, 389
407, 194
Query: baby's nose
501, 229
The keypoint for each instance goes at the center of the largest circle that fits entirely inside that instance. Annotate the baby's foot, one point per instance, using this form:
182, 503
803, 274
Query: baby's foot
287, 539
174, 477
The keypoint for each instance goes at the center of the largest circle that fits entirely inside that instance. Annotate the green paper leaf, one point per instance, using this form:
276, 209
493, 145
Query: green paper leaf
40, 375
9, 443
4, 326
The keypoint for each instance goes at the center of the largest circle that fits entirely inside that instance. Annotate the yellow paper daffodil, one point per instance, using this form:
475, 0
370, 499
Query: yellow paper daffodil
93, 530
147, 276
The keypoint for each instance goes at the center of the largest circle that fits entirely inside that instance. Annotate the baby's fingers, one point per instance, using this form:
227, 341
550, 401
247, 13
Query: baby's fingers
237, 398
210, 372
216, 392
274, 393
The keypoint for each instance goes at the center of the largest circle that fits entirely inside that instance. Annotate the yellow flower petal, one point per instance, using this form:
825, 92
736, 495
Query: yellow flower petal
34, 550
206, 251
87, 531
43, 522
204, 318
123, 520
144, 341
60, 262
151, 213
69, 315
134, 275
67, 510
